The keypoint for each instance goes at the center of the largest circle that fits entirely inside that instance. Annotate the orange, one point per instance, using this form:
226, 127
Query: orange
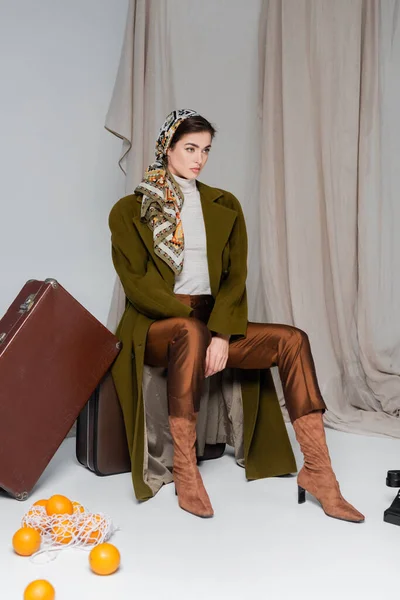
90, 532
104, 559
63, 532
77, 507
59, 505
40, 503
40, 517
26, 541
35, 511
90, 536
40, 589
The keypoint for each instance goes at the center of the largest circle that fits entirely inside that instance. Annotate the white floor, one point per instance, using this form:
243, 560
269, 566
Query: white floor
260, 543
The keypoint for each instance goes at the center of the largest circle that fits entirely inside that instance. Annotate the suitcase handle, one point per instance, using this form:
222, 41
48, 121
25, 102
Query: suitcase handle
27, 305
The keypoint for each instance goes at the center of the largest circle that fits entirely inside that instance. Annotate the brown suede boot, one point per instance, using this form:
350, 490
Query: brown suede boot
189, 486
316, 476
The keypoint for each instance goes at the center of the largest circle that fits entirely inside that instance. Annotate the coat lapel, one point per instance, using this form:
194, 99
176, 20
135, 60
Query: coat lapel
218, 221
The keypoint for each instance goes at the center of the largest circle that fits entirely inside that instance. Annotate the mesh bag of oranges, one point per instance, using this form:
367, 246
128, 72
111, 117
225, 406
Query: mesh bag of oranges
58, 523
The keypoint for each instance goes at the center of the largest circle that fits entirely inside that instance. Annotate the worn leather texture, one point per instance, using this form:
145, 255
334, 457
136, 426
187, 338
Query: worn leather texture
101, 443
52, 357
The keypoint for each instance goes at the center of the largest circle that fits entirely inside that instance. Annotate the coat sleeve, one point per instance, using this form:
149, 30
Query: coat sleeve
229, 315
143, 285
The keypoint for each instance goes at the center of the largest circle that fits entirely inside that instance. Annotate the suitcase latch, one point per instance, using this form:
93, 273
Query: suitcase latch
27, 305
2, 337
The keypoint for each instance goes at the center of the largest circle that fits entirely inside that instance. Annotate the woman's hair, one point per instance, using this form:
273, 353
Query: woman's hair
194, 124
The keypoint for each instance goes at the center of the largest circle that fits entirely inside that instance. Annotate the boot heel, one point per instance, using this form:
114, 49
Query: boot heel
301, 495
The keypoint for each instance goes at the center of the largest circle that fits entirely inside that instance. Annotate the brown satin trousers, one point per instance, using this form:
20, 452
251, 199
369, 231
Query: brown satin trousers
180, 344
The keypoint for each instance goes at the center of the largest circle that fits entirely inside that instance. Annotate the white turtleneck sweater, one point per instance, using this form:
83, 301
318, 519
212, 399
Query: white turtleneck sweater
194, 277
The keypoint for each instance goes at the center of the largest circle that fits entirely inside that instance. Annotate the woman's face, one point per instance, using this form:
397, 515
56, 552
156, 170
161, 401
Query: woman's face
189, 155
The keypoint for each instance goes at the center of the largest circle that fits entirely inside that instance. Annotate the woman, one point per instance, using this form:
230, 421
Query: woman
180, 250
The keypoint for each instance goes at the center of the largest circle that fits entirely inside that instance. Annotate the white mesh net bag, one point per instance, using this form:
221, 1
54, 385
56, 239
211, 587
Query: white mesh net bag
82, 529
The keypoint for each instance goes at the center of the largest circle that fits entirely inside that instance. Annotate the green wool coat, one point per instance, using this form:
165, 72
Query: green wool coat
148, 283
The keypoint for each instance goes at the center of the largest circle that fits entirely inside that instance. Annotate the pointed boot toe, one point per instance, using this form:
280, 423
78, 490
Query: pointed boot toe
196, 508
324, 487
316, 476
344, 511
193, 497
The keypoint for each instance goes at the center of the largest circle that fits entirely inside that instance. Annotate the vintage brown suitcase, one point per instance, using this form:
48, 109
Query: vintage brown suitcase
101, 443
53, 353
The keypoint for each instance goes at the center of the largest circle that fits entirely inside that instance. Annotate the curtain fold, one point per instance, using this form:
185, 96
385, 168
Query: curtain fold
142, 97
325, 254
327, 260
379, 210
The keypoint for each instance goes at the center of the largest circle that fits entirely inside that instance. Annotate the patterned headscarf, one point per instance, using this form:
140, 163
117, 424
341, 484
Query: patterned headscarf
162, 198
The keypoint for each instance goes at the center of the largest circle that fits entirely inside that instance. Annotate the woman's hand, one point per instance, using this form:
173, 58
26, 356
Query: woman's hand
217, 354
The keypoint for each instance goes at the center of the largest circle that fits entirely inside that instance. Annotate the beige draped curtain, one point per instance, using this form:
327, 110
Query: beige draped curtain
325, 250
329, 214
142, 97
